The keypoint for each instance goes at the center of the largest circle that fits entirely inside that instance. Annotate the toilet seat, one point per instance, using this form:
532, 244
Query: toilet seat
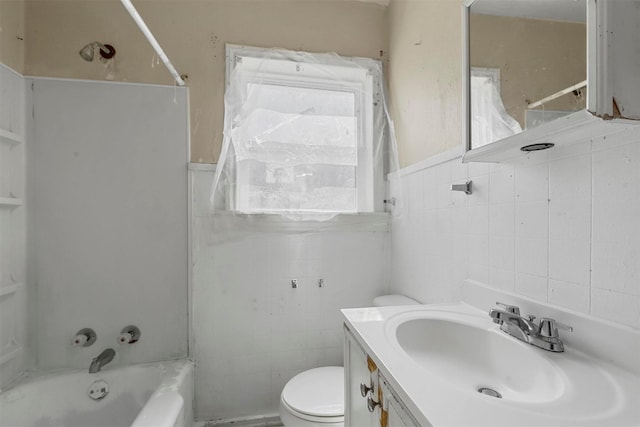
316, 395
310, 418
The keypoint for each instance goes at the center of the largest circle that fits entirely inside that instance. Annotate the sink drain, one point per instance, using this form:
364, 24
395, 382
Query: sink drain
489, 392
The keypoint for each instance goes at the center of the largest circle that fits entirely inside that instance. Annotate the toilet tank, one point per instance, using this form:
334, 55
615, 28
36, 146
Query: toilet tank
390, 300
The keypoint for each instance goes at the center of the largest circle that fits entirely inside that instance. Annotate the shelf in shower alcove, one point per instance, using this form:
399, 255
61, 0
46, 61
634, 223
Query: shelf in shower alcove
10, 137
10, 353
10, 289
10, 202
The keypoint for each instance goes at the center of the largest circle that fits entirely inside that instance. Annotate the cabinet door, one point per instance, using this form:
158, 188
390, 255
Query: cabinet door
357, 372
395, 414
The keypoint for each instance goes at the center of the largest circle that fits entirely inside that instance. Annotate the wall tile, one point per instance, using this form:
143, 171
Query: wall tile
480, 195
570, 178
429, 233
570, 219
502, 279
459, 261
459, 171
570, 260
443, 182
430, 187
569, 295
560, 227
616, 209
414, 191
532, 220
502, 185
459, 220
532, 256
478, 169
478, 219
532, 286
616, 265
532, 182
478, 257
621, 308
502, 253
502, 220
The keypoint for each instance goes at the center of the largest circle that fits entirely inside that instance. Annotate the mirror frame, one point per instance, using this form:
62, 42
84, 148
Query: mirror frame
596, 66
466, 75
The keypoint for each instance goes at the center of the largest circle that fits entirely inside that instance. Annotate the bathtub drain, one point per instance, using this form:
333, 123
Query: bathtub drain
489, 392
98, 390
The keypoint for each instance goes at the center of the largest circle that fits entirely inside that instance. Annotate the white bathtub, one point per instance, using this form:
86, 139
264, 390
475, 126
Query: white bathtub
157, 394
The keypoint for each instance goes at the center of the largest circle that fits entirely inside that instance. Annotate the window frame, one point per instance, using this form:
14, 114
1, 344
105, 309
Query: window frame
368, 169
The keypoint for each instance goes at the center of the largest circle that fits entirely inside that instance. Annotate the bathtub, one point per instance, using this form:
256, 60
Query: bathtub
156, 394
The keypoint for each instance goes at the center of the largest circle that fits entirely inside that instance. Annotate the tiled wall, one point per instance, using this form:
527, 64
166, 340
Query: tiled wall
252, 331
560, 226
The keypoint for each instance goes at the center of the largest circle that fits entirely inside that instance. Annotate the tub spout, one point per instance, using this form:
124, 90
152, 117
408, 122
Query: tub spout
103, 358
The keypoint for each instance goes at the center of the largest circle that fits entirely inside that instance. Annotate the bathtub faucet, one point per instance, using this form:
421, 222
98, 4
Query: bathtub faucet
103, 358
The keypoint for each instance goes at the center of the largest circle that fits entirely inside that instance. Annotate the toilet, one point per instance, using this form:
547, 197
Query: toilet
315, 398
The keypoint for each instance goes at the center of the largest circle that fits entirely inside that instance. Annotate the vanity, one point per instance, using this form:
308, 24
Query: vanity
547, 74
451, 365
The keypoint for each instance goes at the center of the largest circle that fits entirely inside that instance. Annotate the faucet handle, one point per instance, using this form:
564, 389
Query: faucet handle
549, 328
513, 309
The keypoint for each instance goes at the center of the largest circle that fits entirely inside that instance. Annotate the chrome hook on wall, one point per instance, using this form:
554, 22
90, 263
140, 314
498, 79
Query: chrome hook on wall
466, 187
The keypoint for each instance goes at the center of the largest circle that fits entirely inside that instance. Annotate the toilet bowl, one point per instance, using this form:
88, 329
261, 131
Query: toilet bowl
315, 398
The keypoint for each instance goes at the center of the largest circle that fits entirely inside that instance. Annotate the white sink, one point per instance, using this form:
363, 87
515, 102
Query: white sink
440, 355
475, 358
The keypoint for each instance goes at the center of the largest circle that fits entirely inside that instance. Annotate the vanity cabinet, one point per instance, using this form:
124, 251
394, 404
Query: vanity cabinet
358, 375
539, 74
370, 399
397, 413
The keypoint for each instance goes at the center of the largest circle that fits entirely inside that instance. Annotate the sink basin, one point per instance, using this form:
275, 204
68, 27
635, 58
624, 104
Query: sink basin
479, 359
437, 357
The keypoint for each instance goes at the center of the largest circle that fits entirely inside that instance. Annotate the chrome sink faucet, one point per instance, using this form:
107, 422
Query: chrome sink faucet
103, 358
543, 334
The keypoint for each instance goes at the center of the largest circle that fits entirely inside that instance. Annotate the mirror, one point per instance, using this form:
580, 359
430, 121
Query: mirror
526, 65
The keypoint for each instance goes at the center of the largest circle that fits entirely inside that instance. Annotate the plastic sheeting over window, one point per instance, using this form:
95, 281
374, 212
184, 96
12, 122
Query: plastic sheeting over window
306, 137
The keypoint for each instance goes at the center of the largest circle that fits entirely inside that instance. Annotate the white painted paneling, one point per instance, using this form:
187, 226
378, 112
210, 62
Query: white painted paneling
110, 176
14, 358
253, 331
560, 227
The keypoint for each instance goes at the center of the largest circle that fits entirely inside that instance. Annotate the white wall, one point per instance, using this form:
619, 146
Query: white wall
14, 282
252, 331
559, 226
109, 170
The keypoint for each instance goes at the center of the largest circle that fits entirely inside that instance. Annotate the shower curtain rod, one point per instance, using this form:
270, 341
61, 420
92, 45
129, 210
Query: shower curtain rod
152, 40
558, 94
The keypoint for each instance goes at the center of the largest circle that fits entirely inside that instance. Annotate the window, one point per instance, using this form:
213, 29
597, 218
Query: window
302, 132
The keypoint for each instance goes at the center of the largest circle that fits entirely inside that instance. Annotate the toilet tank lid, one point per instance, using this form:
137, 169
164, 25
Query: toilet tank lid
318, 392
391, 300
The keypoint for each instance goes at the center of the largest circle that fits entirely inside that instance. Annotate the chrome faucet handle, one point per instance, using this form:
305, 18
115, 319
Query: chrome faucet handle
513, 309
549, 328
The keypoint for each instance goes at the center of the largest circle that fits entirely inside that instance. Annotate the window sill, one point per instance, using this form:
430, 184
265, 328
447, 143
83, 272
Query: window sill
231, 222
